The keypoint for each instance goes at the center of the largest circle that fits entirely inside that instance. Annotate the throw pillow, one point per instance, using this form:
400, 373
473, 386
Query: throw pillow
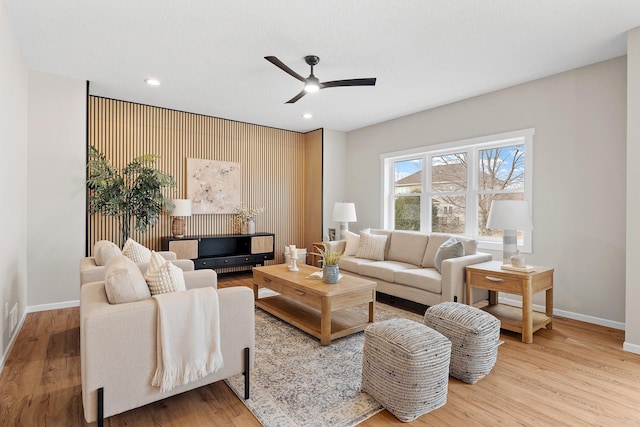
371, 246
135, 251
124, 282
163, 277
104, 250
353, 241
452, 248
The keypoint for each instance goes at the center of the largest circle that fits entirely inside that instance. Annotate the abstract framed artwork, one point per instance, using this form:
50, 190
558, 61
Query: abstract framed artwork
213, 186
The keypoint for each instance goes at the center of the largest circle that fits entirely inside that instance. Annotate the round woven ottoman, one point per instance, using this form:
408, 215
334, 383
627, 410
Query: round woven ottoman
474, 335
405, 367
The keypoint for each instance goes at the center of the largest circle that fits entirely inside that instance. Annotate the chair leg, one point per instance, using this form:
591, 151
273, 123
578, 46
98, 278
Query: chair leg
246, 372
101, 407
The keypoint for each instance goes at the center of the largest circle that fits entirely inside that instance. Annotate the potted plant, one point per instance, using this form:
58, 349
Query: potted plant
133, 193
330, 269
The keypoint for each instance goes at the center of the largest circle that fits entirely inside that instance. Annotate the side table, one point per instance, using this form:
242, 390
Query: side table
490, 276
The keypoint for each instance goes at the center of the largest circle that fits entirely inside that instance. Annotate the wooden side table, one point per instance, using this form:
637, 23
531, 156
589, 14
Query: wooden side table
490, 276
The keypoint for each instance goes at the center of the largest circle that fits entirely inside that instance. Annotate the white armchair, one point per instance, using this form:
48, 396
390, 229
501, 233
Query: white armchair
90, 271
118, 347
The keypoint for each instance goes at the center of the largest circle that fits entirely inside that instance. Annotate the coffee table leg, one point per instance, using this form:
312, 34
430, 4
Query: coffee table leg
325, 322
372, 309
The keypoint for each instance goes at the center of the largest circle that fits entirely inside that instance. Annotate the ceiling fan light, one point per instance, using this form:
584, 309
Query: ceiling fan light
312, 84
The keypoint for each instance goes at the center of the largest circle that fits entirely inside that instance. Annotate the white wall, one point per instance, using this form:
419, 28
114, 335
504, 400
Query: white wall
579, 174
334, 171
56, 192
13, 178
632, 332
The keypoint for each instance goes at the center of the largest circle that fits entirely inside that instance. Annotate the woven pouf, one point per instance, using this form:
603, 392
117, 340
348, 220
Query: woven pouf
405, 367
474, 335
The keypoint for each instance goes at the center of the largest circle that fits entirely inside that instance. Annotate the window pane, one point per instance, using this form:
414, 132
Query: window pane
407, 214
449, 172
408, 176
501, 168
448, 214
483, 212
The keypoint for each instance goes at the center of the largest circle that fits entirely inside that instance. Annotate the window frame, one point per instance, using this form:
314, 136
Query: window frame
472, 146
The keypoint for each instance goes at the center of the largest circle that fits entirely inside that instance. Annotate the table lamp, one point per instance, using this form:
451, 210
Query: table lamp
344, 213
509, 216
181, 210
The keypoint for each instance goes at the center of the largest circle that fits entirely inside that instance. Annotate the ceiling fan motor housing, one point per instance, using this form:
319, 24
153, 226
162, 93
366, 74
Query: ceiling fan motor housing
312, 60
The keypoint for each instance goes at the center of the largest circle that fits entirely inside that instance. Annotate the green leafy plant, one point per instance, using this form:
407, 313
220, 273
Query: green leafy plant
133, 193
329, 257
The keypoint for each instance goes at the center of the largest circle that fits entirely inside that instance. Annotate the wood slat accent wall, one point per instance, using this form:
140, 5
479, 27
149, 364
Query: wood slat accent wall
272, 166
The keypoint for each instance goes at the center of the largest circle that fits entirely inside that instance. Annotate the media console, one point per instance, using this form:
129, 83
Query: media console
223, 251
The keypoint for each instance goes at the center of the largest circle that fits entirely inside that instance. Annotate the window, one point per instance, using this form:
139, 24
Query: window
449, 188
407, 194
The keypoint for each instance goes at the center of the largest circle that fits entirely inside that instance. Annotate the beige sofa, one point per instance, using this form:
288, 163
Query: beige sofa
118, 346
408, 269
90, 271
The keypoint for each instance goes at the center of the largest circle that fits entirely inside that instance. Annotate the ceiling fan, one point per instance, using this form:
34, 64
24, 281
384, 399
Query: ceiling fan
311, 83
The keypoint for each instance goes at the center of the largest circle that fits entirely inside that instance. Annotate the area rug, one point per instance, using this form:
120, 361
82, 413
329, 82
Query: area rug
298, 382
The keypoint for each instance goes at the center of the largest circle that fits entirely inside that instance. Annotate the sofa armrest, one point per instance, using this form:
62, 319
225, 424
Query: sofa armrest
184, 264
454, 274
89, 271
168, 255
201, 278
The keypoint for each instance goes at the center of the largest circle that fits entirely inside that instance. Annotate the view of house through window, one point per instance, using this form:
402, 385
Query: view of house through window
449, 189
407, 194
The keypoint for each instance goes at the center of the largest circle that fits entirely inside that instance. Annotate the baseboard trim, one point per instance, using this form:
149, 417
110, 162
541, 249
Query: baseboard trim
54, 306
631, 348
570, 315
33, 309
12, 340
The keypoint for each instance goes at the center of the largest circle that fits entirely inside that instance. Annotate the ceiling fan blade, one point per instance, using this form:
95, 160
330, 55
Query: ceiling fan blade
297, 97
350, 82
275, 61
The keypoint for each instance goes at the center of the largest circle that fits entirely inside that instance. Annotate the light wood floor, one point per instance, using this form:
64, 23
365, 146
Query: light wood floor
575, 374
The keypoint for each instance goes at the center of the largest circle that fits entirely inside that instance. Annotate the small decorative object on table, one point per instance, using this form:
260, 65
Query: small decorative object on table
330, 269
517, 260
244, 220
293, 256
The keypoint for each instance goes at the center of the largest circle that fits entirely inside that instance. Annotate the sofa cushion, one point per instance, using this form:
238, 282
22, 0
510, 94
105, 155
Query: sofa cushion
124, 282
163, 277
452, 248
379, 232
427, 279
435, 241
352, 243
104, 250
470, 245
371, 246
135, 251
352, 264
384, 270
407, 246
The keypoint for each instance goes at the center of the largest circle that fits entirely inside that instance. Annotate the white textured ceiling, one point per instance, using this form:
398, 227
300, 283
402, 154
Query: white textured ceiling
209, 54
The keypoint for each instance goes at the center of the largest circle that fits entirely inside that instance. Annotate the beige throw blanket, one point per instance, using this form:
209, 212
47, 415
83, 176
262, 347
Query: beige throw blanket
188, 337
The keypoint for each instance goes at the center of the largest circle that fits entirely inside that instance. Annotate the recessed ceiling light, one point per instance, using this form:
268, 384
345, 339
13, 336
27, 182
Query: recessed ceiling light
307, 115
152, 82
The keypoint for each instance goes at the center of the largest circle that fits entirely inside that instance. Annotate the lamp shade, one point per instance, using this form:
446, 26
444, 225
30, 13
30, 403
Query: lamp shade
344, 212
182, 207
509, 215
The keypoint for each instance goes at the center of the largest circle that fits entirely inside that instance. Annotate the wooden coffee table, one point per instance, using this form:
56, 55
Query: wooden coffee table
312, 305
